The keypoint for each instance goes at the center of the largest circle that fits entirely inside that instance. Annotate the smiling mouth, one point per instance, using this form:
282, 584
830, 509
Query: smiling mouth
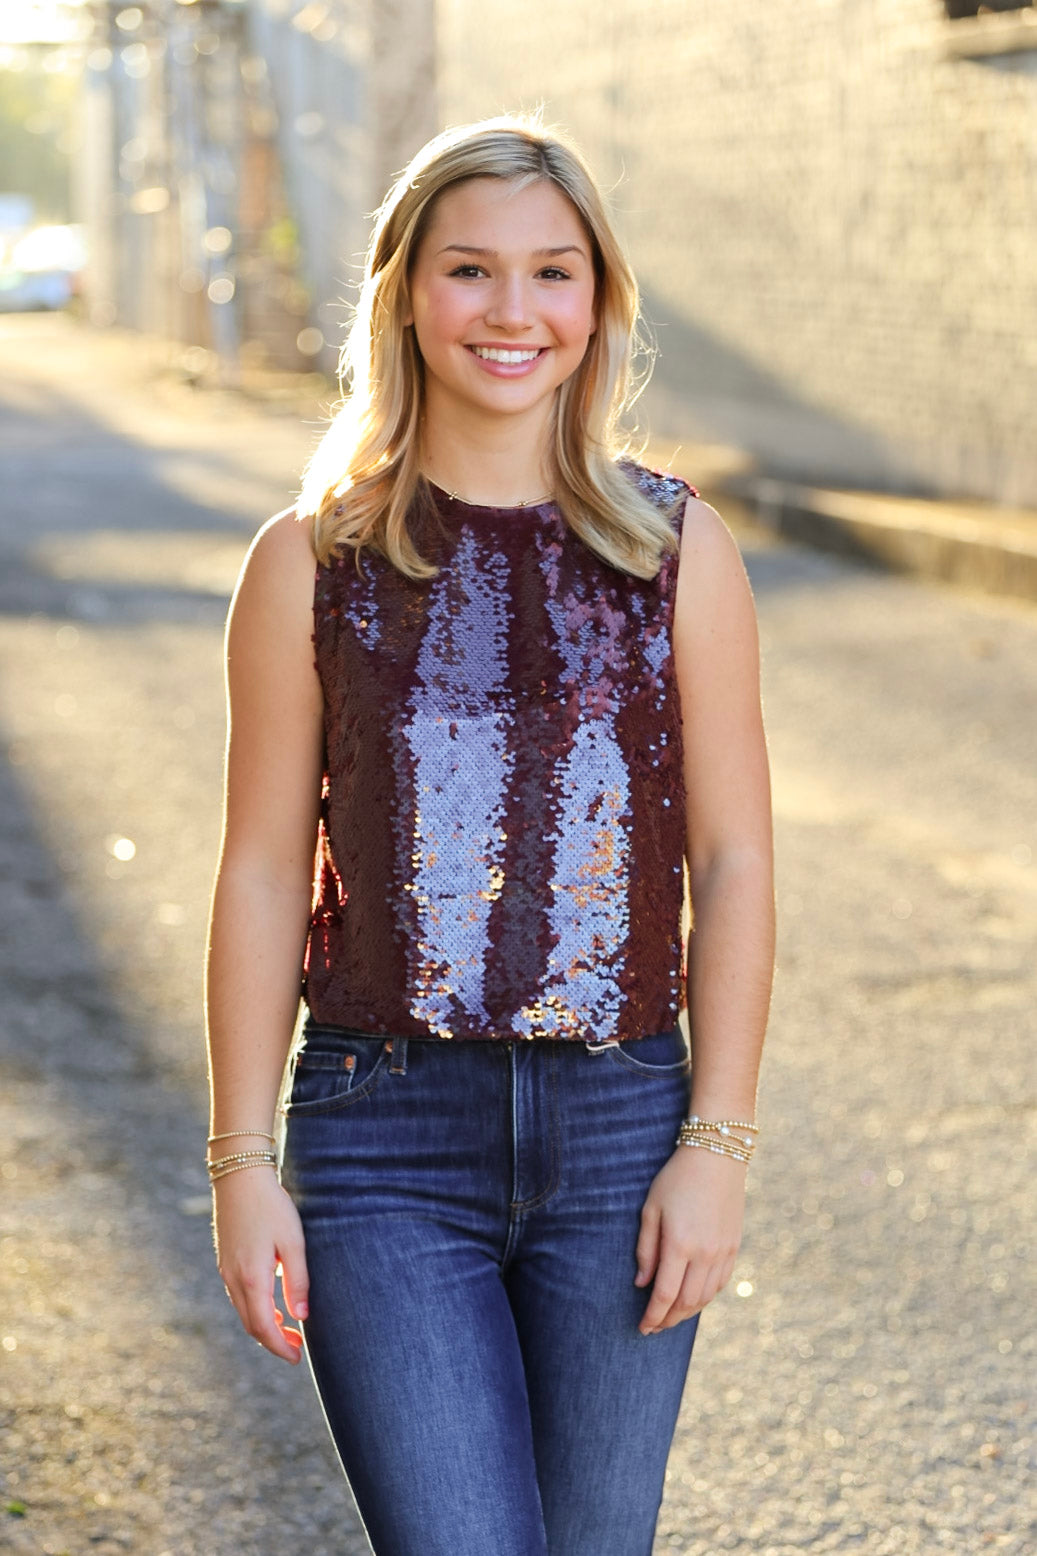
505, 355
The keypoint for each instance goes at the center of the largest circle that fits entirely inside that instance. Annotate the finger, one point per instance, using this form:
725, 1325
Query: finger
720, 1276
698, 1289
260, 1316
700, 1285
667, 1284
702, 1280
647, 1251
295, 1280
293, 1337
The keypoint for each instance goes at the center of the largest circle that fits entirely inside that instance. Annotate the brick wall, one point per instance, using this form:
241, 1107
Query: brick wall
834, 220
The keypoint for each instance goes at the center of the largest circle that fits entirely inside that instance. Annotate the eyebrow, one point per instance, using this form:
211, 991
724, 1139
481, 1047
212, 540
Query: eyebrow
466, 248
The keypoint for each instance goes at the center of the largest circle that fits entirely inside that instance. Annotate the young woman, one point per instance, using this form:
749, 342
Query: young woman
501, 685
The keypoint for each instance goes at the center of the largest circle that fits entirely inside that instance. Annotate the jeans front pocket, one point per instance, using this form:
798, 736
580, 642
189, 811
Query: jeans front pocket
663, 1055
334, 1069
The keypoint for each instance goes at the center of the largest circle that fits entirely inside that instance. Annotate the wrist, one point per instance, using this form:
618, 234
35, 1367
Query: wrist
722, 1104
226, 1142
235, 1168
734, 1138
238, 1140
699, 1154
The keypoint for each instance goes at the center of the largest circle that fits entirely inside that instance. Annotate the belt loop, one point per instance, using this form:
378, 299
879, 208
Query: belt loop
398, 1060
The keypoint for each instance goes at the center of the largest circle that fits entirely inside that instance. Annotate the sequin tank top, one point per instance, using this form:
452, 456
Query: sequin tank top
502, 833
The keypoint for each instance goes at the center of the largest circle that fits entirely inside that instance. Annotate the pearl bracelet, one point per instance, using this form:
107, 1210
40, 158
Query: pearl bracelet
735, 1138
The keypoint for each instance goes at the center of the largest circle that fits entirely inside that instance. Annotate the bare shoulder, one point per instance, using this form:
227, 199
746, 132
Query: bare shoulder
289, 531
279, 568
282, 547
705, 535
270, 626
711, 567
275, 701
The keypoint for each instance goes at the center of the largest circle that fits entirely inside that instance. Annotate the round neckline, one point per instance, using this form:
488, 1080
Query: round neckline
487, 507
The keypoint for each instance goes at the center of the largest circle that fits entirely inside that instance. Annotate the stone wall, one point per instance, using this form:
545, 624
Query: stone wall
833, 216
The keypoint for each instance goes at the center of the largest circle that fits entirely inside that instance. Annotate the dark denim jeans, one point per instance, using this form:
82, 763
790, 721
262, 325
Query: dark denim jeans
471, 1211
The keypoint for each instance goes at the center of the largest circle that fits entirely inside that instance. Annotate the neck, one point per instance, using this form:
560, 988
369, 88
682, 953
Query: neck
488, 463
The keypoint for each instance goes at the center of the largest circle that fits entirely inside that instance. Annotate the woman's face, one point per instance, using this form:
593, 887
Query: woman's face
501, 298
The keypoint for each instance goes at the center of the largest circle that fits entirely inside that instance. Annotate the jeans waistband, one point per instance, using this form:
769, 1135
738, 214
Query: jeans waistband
396, 1043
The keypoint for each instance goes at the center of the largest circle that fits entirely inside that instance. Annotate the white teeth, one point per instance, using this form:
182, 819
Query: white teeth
495, 354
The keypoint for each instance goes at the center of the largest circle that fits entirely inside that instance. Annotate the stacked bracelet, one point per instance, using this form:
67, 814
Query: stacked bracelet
730, 1137
238, 1162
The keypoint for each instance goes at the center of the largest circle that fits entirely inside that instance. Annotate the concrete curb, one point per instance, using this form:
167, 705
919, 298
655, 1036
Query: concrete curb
975, 545
986, 549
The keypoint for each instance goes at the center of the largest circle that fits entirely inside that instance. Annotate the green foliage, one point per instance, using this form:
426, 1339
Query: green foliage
36, 120
281, 242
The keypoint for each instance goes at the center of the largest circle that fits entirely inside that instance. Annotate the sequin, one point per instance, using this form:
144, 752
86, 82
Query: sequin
456, 872
502, 822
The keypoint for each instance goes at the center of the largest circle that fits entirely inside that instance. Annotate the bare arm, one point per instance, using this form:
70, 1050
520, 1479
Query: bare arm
260, 911
692, 1219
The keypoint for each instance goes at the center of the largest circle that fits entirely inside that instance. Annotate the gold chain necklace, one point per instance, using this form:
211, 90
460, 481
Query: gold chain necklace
529, 502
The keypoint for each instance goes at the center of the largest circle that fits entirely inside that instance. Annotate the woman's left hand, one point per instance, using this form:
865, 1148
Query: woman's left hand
691, 1228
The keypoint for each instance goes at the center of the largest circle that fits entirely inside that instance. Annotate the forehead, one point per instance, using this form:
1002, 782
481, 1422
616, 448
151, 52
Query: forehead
498, 212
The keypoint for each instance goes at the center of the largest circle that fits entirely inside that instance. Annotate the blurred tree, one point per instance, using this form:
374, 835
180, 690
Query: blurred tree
37, 108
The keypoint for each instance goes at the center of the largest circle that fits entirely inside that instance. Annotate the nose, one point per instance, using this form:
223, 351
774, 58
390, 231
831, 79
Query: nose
509, 307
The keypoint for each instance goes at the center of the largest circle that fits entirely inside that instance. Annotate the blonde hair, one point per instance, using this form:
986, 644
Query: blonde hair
365, 476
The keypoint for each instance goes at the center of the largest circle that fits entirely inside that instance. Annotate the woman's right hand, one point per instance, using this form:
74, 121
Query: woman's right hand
257, 1228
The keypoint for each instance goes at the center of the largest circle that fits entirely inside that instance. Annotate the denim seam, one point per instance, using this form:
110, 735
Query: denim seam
638, 1067
342, 1099
523, 1206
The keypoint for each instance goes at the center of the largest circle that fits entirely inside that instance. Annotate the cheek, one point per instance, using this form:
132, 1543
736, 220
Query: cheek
441, 310
580, 321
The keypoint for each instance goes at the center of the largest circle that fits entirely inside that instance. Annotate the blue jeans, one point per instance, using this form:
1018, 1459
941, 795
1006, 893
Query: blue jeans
471, 1211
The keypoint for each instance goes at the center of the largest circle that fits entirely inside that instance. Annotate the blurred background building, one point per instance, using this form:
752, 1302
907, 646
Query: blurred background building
230, 156
832, 204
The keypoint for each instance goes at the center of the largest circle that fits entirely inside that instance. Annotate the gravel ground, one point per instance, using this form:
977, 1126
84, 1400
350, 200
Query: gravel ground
866, 1383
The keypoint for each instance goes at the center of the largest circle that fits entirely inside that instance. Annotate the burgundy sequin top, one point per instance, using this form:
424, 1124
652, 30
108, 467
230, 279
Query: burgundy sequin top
502, 837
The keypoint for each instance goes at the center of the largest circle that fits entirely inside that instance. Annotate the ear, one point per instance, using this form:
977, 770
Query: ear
408, 312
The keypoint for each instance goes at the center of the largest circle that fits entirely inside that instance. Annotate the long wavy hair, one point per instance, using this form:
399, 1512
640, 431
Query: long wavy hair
364, 477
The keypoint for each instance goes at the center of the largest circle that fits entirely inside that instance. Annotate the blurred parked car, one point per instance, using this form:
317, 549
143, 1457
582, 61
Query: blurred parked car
42, 269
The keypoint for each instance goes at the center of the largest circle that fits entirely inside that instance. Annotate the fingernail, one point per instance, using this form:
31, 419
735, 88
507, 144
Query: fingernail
302, 1311
648, 1331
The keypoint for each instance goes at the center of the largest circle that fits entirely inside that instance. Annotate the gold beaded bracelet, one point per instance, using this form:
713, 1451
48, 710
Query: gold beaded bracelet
723, 1126
241, 1156
719, 1136
718, 1150
725, 1132
234, 1134
224, 1172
